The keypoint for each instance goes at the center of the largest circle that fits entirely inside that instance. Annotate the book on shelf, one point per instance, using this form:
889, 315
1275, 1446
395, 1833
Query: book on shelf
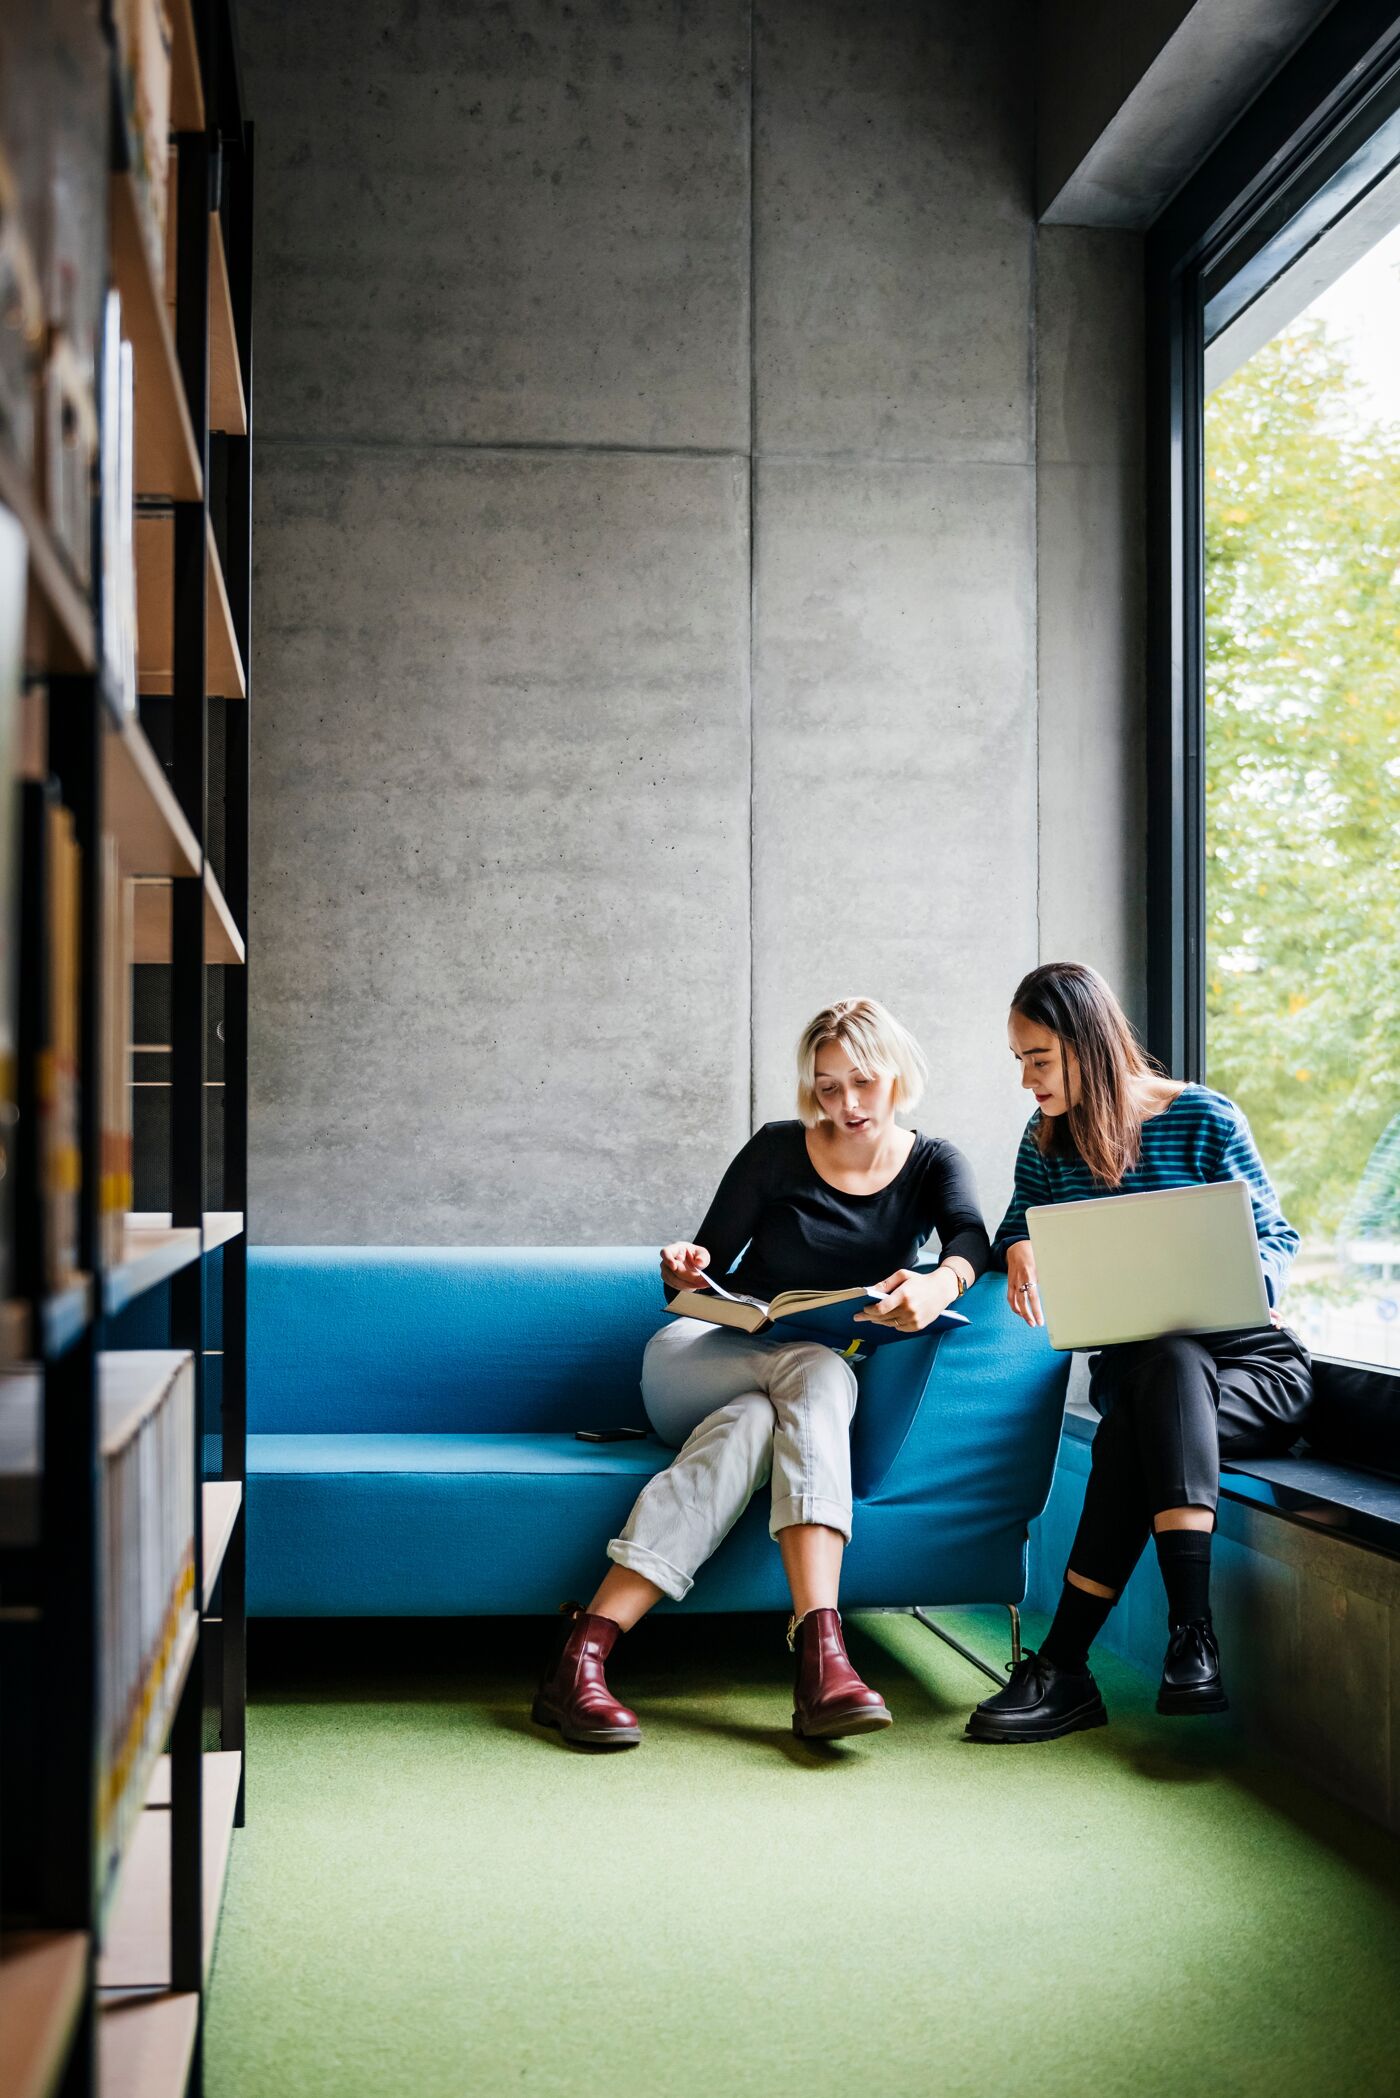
144, 42
118, 942
58, 1080
58, 1061
13, 578
150, 1584
67, 452
21, 299
828, 1315
118, 507
25, 73
70, 67
148, 1591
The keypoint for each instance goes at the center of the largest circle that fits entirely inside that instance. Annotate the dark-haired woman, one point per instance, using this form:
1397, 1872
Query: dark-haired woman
1107, 1122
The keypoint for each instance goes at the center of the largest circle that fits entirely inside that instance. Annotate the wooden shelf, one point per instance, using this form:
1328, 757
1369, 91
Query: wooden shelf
150, 1254
186, 86
60, 613
167, 460
222, 1500
136, 1954
14, 1330
220, 1225
155, 615
42, 1976
141, 810
145, 2045
66, 1314
228, 404
223, 942
153, 1250
222, 939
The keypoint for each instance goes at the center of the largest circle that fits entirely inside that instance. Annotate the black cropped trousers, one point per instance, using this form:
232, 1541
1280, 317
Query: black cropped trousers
1170, 1410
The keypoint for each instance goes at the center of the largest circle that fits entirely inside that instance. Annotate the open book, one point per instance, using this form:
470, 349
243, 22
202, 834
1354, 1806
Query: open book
821, 1314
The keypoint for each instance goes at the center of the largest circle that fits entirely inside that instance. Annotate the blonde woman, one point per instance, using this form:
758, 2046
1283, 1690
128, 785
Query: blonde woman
841, 1197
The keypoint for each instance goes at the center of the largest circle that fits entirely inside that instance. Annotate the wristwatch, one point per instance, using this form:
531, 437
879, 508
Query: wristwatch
957, 1277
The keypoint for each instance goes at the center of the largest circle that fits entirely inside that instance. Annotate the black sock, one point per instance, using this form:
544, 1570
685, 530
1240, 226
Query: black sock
1184, 1557
1078, 1620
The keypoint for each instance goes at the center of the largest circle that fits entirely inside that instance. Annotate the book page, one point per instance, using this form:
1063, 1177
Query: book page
791, 1301
717, 1308
732, 1297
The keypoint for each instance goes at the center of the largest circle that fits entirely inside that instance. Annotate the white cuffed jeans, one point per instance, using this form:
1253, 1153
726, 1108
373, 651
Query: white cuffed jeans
742, 1408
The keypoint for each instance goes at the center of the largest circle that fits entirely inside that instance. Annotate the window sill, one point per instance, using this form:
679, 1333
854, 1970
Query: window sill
1361, 1506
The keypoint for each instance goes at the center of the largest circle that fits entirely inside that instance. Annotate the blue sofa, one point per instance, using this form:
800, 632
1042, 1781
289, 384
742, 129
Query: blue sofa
411, 1450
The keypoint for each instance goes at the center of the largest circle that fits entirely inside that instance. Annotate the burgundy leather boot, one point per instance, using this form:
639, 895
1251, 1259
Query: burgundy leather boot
574, 1695
830, 1700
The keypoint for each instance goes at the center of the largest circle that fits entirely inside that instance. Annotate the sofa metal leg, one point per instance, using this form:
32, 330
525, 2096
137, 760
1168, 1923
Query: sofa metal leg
966, 1651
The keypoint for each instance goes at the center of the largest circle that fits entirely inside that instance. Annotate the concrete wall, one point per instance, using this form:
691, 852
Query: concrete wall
501, 750
645, 617
894, 557
1091, 643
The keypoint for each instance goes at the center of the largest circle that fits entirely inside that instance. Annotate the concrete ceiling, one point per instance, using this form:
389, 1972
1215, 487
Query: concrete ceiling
1131, 97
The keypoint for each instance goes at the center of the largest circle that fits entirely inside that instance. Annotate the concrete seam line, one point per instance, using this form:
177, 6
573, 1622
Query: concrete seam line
504, 447
784, 455
753, 544
1034, 377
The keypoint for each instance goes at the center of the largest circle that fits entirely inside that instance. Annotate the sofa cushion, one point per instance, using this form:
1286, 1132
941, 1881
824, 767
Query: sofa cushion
434, 1340
375, 1543
297, 1455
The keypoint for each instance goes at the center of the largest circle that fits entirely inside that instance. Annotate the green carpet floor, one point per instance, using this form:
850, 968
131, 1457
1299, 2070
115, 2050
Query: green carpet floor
431, 1898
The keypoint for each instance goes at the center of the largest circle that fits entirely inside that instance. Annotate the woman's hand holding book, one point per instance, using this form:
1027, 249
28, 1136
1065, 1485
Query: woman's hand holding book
912, 1301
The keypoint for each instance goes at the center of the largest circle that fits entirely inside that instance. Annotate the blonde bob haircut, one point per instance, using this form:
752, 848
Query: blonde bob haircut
875, 1043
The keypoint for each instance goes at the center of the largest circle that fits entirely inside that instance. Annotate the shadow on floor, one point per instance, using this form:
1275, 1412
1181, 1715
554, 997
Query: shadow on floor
684, 1673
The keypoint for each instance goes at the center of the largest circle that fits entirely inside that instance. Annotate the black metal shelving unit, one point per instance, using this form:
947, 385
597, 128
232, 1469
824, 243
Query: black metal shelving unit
95, 2023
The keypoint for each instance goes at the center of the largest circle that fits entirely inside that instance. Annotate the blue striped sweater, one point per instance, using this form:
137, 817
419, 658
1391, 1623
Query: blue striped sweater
1202, 1136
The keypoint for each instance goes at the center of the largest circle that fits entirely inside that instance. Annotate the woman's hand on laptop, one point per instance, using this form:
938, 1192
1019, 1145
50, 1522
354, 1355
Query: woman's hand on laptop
683, 1265
1022, 1292
912, 1301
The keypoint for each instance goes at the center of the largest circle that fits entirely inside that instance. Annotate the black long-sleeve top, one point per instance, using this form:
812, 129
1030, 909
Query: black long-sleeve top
796, 1231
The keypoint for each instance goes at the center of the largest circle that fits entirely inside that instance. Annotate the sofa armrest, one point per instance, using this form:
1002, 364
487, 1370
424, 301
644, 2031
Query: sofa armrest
974, 1411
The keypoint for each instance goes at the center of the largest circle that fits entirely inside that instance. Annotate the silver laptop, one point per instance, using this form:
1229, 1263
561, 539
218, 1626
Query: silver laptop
1131, 1267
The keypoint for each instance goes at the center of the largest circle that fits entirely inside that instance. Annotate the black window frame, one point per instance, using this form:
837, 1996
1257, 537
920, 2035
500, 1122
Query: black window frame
1284, 151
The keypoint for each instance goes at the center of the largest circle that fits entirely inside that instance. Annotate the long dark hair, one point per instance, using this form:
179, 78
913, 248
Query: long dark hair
1079, 1009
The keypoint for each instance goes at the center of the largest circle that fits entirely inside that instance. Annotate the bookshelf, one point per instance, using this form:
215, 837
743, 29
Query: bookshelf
168, 458
58, 607
42, 1979
123, 1769
155, 612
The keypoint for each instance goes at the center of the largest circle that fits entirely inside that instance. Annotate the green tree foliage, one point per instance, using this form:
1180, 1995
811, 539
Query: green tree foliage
1303, 766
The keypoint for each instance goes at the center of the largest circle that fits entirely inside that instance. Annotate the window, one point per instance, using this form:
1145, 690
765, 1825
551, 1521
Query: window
1302, 776
1275, 862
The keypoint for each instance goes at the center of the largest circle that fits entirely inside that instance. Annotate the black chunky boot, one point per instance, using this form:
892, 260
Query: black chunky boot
1040, 1703
1191, 1672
